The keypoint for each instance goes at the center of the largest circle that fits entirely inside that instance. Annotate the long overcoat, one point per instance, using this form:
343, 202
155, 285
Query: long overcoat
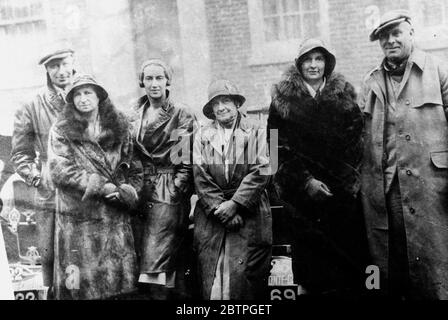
168, 183
94, 246
249, 248
422, 166
32, 123
320, 138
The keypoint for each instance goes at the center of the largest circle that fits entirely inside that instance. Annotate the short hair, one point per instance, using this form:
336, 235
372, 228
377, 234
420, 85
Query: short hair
158, 62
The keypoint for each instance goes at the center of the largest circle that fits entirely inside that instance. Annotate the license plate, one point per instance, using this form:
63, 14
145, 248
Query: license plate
284, 292
26, 295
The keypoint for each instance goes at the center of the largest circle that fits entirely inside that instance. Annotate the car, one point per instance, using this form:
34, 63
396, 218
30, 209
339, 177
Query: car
20, 235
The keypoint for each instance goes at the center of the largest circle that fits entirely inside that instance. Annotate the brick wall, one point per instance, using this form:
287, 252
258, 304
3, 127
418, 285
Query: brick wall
349, 37
230, 45
229, 41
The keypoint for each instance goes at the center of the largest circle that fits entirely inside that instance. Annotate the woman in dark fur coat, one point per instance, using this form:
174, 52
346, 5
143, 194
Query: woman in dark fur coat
97, 181
320, 146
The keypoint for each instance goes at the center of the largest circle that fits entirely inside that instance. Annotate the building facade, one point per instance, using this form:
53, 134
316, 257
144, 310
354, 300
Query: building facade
250, 42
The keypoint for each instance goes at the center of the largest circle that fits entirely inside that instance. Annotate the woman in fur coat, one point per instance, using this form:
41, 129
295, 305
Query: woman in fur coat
320, 146
90, 157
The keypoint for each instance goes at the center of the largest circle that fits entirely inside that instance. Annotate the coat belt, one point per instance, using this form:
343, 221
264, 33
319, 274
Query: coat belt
228, 193
152, 170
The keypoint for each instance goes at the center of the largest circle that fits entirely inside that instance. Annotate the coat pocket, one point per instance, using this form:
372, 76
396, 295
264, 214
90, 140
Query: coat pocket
439, 159
427, 96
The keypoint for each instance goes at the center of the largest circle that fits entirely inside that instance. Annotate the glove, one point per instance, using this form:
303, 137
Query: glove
128, 195
317, 190
109, 188
111, 194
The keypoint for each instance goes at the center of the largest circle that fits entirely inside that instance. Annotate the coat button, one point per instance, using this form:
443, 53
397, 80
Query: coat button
240, 261
408, 137
412, 210
408, 172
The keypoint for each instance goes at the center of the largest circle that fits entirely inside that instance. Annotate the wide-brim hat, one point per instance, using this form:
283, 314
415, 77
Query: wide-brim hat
316, 44
222, 88
86, 79
389, 19
56, 54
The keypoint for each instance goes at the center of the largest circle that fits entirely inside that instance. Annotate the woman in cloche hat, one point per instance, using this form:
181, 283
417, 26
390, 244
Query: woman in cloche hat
162, 126
319, 126
90, 158
232, 218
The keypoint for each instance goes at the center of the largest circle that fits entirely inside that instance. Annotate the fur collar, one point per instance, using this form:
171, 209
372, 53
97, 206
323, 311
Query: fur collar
291, 90
114, 125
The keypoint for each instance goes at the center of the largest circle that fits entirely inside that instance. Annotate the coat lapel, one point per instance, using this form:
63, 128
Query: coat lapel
379, 86
138, 140
164, 116
240, 134
93, 153
417, 59
211, 135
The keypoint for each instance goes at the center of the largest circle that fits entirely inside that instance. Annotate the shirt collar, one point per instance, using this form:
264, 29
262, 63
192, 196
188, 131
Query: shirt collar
418, 58
312, 92
60, 92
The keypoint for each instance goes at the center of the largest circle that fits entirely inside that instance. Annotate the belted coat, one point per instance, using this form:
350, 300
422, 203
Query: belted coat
249, 248
422, 169
168, 183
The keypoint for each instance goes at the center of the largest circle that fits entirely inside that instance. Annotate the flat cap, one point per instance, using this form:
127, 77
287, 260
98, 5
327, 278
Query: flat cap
56, 54
388, 19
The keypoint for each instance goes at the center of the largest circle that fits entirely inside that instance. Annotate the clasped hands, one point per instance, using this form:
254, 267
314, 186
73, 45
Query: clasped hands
227, 214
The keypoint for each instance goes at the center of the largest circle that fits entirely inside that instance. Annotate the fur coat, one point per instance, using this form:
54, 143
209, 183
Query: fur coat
320, 138
94, 246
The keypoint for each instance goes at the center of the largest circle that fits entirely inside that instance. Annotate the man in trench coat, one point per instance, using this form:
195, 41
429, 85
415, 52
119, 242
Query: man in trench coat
405, 169
32, 124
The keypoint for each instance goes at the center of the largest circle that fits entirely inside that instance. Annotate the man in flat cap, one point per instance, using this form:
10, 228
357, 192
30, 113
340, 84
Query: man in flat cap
32, 123
405, 169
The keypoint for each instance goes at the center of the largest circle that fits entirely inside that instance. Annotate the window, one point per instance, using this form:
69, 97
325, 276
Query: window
290, 19
278, 26
23, 28
23, 17
431, 22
